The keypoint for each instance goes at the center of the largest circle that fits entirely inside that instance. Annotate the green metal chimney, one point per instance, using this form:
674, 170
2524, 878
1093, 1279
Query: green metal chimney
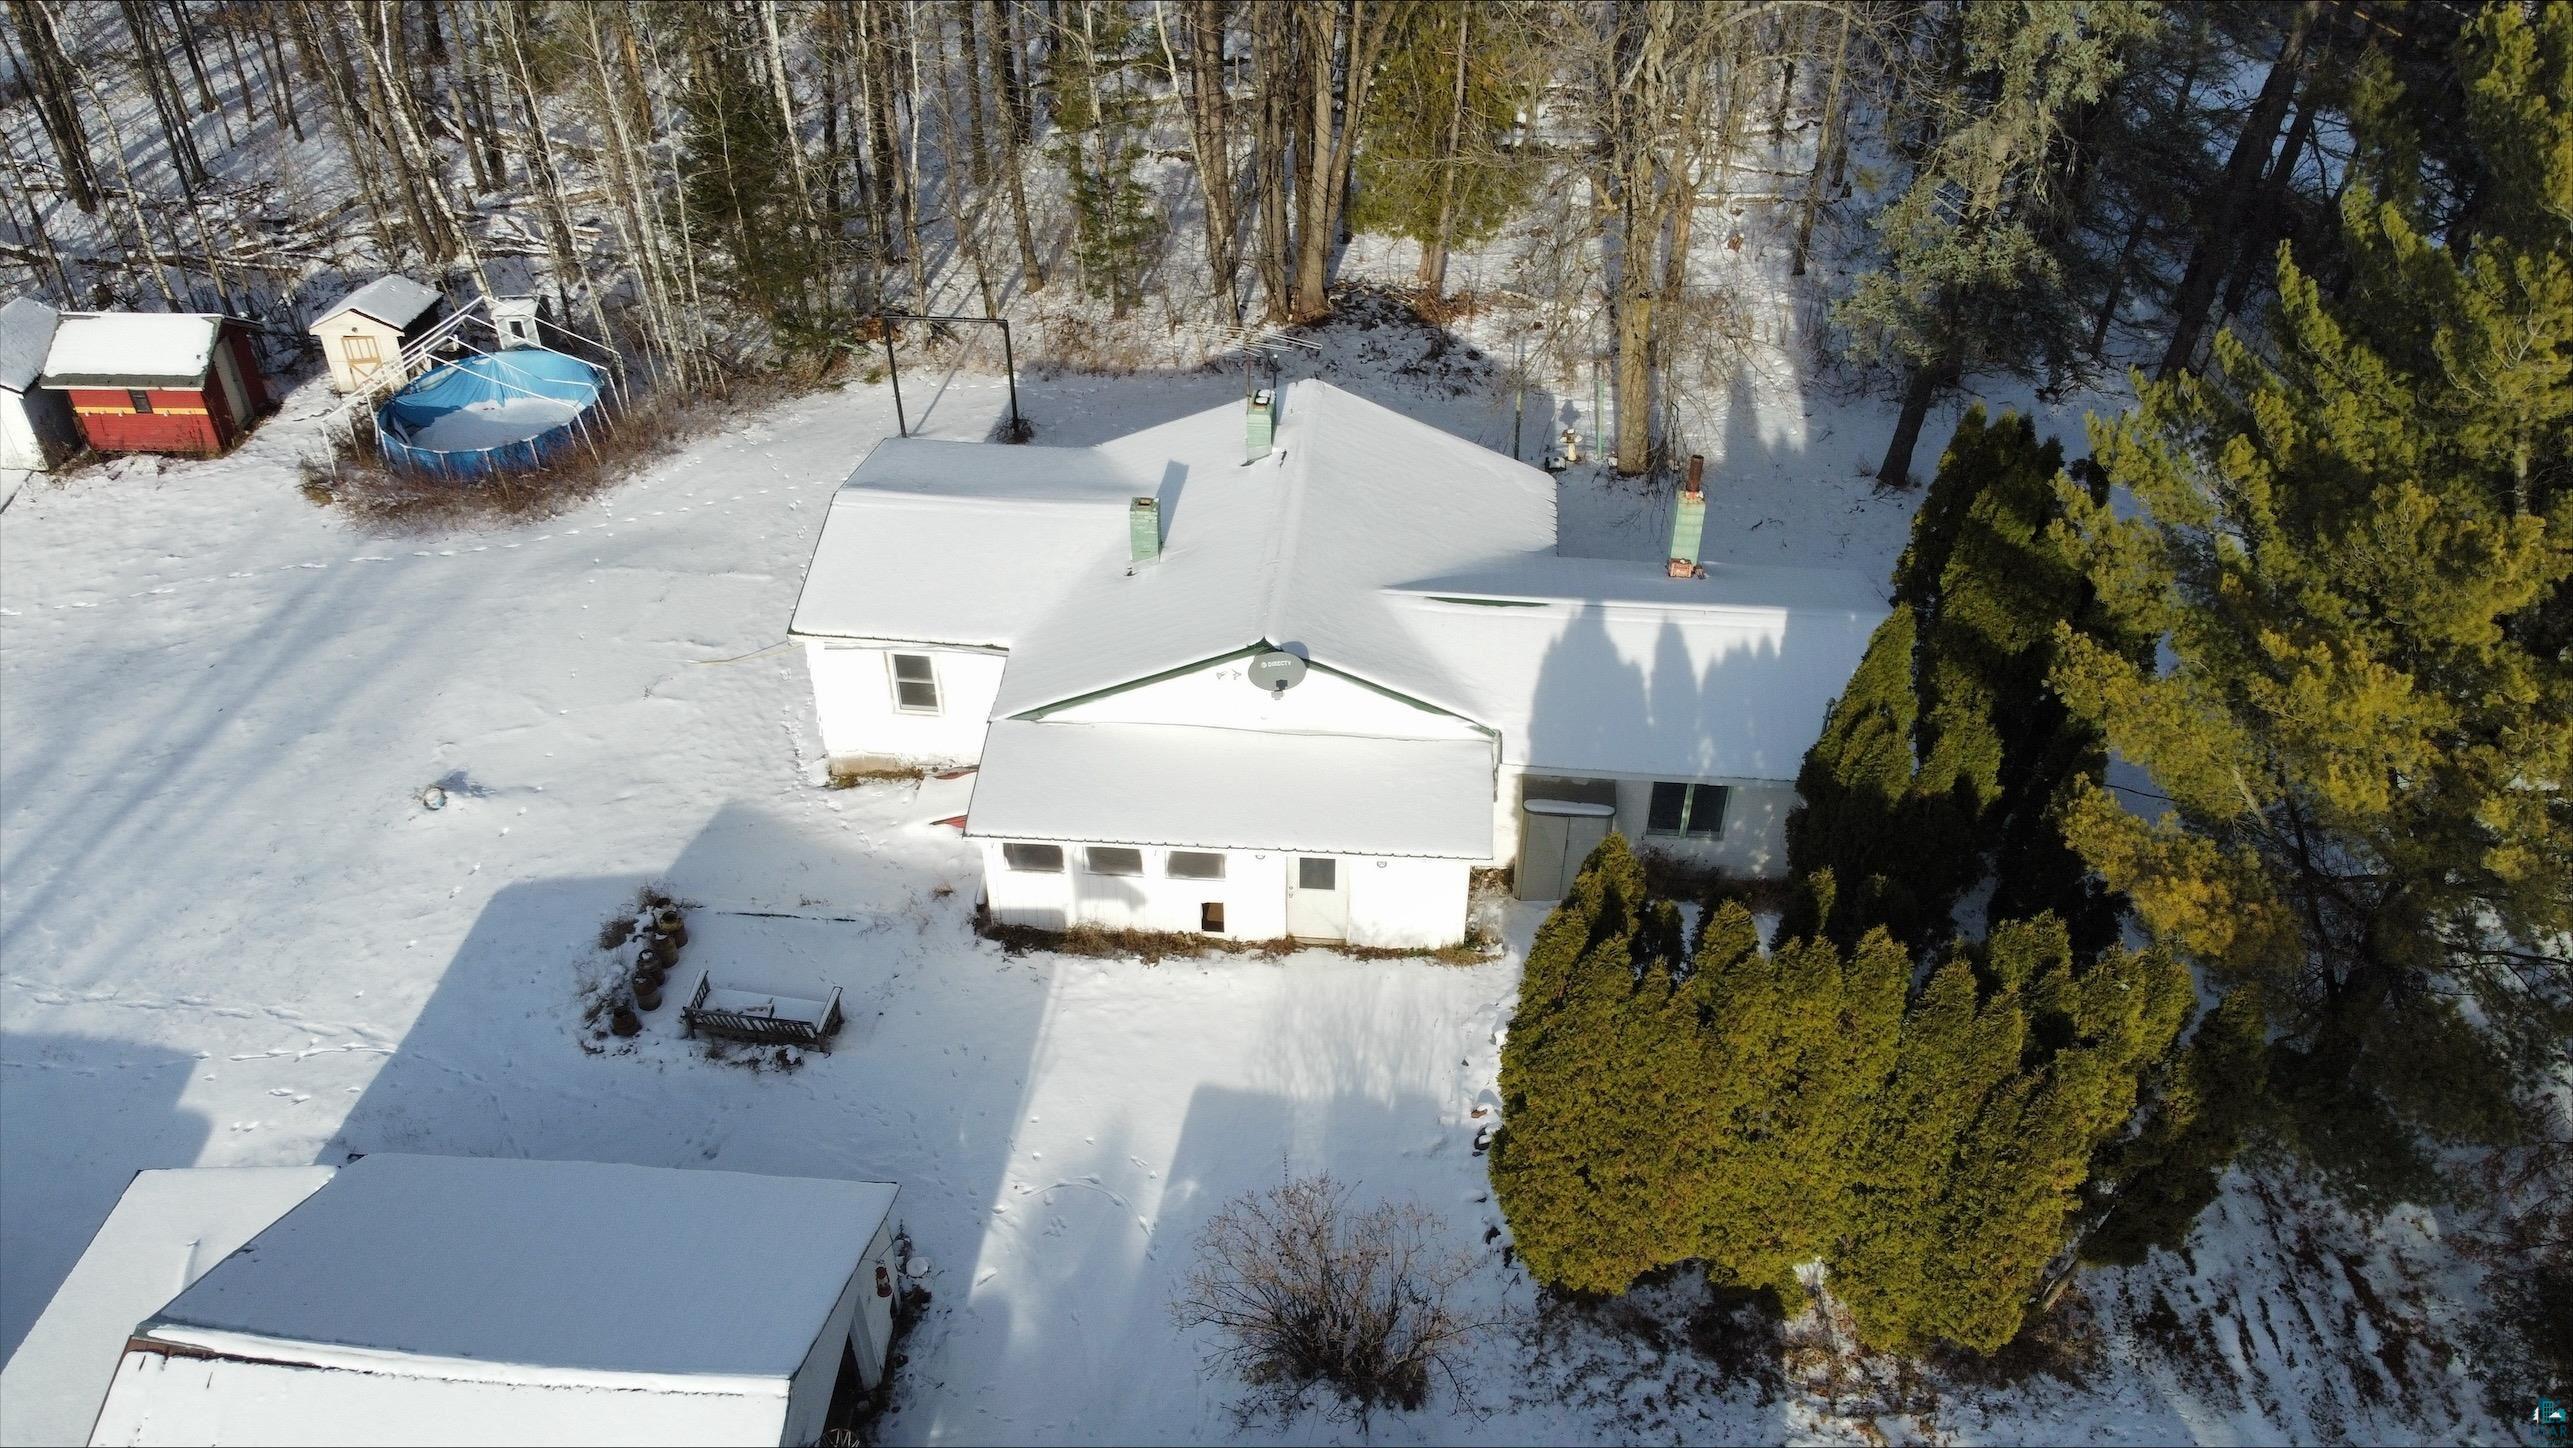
1143, 528
1261, 423
1688, 521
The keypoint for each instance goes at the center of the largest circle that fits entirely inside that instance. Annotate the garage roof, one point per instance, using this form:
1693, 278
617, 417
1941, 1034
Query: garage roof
1233, 789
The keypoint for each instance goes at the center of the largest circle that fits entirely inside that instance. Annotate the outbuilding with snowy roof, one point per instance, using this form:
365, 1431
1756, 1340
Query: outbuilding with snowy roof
364, 334
1298, 667
172, 382
479, 1300
37, 429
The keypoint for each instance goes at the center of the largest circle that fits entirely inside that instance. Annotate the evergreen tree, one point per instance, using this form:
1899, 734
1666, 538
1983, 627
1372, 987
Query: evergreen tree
2149, 1189
1436, 160
762, 250
1949, 755
1969, 278
1853, 796
1599, 1081
2356, 547
1796, 1044
2014, 1068
1100, 117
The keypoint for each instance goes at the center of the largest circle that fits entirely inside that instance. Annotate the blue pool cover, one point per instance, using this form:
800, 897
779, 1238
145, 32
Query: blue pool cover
486, 414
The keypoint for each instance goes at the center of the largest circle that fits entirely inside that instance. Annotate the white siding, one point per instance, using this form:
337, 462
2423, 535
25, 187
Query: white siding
334, 335
1395, 903
854, 699
861, 1319
1407, 904
1253, 893
1219, 694
36, 429
1754, 841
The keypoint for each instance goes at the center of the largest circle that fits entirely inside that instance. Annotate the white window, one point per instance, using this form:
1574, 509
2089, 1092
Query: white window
1033, 859
915, 683
1194, 865
1112, 860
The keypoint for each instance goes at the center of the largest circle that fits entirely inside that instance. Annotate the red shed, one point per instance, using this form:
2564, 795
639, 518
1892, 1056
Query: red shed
182, 382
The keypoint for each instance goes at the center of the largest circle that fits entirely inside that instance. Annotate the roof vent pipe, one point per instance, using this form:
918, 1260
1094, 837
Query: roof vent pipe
1688, 521
1143, 528
1260, 424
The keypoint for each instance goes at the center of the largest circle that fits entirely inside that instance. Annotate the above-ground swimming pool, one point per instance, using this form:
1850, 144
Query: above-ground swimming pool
489, 413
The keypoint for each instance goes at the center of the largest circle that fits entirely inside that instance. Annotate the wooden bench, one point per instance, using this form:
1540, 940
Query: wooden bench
769, 1019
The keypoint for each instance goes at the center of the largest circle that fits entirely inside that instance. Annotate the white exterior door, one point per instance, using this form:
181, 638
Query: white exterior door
1317, 903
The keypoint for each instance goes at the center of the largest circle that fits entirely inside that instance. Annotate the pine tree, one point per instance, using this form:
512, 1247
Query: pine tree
1968, 278
2015, 1067
1099, 120
1796, 1044
738, 185
1435, 157
2356, 545
1599, 1078
1853, 792
1949, 755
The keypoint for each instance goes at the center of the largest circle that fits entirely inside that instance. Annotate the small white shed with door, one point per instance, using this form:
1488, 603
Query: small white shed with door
480, 1300
37, 428
363, 333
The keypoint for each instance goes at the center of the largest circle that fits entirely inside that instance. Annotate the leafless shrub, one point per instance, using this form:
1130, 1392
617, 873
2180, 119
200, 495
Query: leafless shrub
1323, 1305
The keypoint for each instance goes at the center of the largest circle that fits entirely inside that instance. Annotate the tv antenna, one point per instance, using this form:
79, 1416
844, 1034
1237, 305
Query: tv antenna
1265, 344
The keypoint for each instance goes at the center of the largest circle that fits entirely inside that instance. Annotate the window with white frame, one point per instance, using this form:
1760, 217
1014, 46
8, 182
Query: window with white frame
1686, 809
915, 683
1112, 860
1194, 865
1033, 859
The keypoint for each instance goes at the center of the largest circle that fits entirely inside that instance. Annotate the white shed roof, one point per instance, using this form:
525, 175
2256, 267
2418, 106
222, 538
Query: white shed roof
26, 334
168, 1228
132, 349
1191, 785
555, 1271
396, 301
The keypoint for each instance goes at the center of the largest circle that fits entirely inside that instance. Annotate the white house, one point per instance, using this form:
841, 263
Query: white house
364, 332
1105, 631
468, 1300
37, 428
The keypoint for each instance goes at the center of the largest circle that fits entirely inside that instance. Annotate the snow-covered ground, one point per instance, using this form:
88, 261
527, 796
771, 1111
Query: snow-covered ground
233, 936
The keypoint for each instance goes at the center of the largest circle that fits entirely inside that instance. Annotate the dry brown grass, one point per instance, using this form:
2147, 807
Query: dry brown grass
1155, 946
387, 500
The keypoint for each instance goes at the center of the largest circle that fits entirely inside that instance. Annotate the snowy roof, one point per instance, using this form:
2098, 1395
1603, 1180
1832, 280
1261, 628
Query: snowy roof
1600, 666
189, 1400
1370, 543
168, 1228
26, 334
396, 301
1190, 785
132, 349
1292, 550
539, 1272
959, 542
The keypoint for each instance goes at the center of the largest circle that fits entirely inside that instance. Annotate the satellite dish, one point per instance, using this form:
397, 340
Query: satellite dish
1276, 671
